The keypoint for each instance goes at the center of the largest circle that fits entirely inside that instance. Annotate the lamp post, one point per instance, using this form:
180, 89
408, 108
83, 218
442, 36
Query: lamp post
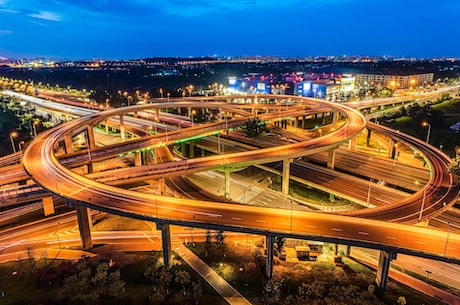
14, 134
21, 145
428, 132
447, 239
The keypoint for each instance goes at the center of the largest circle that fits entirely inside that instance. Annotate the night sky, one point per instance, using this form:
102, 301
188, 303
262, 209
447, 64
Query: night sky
127, 29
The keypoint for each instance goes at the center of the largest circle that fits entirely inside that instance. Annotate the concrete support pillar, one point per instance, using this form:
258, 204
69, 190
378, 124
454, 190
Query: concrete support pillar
347, 250
138, 159
335, 117
227, 183
391, 146
166, 242
135, 114
336, 250
352, 144
183, 148
190, 112
68, 143
286, 174
84, 225
106, 124
331, 158
269, 265
48, 205
368, 138
192, 150
383, 268
90, 136
122, 127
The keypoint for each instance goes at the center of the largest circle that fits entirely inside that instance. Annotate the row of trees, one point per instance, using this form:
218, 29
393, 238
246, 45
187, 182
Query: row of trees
171, 284
319, 293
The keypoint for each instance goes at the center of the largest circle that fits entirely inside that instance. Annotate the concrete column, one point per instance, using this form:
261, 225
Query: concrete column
106, 123
391, 144
68, 143
90, 136
165, 241
286, 174
335, 117
269, 265
368, 138
192, 150
84, 225
347, 250
122, 127
48, 205
227, 183
336, 250
183, 148
331, 158
138, 159
383, 268
352, 144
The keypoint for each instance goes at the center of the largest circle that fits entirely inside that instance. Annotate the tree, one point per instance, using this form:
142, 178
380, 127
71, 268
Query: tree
87, 287
312, 292
454, 166
197, 291
254, 128
273, 289
183, 278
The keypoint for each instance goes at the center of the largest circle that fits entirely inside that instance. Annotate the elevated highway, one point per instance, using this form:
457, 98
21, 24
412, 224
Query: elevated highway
45, 168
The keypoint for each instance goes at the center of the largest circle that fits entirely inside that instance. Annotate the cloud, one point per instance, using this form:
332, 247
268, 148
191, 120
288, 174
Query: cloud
50, 16
5, 32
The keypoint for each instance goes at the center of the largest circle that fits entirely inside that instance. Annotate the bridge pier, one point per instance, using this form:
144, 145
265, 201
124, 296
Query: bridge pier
286, 174
122, 127
383, 268
331, 158
68, 143
138, 159
84, 225
90, 136
352, 144
335, 117
165, 242
269, 262
48, 205
227, 172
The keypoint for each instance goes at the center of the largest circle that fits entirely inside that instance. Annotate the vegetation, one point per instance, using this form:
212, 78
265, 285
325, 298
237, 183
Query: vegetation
254, 128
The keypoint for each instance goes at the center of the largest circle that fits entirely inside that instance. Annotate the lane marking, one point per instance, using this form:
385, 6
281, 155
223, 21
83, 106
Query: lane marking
237, 218
262, 221
337, 229
391, 237
363, 233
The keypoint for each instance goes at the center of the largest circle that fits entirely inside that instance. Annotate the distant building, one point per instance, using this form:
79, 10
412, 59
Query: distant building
253, 84
326, 88
395, 81
323, 86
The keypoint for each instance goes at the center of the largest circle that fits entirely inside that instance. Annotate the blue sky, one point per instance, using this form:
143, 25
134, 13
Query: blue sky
117, 29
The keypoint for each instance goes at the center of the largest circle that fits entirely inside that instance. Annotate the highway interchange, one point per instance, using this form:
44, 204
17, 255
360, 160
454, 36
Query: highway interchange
46, 169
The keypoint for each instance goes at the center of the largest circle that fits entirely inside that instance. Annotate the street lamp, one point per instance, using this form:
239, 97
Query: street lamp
14, 134
428, 132
21, 145
447, 239
193, 112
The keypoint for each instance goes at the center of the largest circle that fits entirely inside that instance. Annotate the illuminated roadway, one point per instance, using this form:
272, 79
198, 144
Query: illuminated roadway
44, 167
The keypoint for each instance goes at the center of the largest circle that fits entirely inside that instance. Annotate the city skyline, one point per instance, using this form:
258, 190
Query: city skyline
140, 28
